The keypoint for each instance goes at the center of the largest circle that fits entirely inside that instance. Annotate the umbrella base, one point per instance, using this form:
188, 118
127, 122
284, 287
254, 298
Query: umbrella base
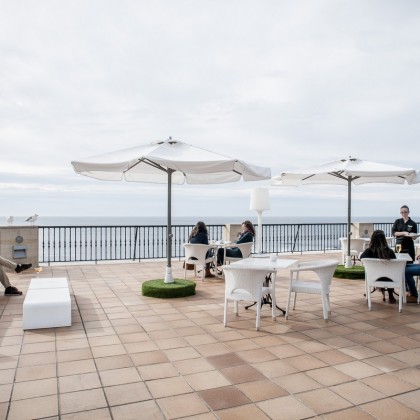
349, 262
169, 278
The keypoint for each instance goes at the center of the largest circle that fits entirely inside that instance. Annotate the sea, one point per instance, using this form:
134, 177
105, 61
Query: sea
187, 220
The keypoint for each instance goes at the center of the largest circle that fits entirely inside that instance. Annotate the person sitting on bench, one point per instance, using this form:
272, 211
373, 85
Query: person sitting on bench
10, 290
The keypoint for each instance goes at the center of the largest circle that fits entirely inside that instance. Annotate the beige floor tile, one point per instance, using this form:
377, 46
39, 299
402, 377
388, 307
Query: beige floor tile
7, 376
73, 355
167, 387
357, 392
157, 371
286, 350
37, 388
390, 409
127, 393
297, 382
329, 376
119, 376
212, 349
207, 380
386, 363
31, 373
79, 382
91, 399
410, 399
333, 357
275, 368
410, 357
148, 409
195, 340
358, 369
5, 392
287, 407
101, 413
323, 401
359, 352
224, 397
106, 340
348, 414
76, 367
148, 358
187, 367
257, 355
242, 412
389, 384
112, 350
33, 408
182, 406
183, 353
261, 390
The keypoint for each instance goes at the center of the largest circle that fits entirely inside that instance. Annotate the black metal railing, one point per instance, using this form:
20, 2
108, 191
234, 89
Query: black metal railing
107, 243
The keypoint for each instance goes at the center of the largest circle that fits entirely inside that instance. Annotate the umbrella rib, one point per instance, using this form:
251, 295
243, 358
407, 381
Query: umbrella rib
148, 162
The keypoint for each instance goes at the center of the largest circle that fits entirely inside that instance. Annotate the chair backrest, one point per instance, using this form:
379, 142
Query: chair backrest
324, 270
245, 248
198, 251
375, 268
244, 282
356, 244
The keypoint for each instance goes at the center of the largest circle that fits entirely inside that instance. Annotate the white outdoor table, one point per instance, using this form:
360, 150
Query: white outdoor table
403, 256
271, 266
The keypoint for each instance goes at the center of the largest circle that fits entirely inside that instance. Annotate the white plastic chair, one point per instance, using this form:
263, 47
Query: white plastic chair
196, 254
245, 248
244, 283
394, 270
357, 245
324, 271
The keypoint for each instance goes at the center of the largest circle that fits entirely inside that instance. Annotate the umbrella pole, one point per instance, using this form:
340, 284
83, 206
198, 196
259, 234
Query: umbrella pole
348, 257
168, 275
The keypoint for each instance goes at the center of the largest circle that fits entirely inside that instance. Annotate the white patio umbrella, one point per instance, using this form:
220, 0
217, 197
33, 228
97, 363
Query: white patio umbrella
347, 172
171, 162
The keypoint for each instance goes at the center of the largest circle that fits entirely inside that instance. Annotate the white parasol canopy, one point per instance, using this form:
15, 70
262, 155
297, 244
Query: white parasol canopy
171, 162
347, 172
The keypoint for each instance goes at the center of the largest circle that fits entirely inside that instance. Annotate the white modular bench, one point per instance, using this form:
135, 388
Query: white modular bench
47, 304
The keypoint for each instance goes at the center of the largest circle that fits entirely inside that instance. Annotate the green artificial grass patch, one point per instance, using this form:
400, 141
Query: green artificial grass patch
356, 272
159, 289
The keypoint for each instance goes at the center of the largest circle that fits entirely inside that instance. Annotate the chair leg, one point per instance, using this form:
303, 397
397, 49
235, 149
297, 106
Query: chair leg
324, 306
225, 313
288, 303
258, 319
294, 301
236, 307
368, 298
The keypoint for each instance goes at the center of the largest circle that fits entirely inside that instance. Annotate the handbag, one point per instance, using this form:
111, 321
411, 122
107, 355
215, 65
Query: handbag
188, 267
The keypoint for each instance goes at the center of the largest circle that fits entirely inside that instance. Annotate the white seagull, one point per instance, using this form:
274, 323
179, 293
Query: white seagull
9, 220
32, 219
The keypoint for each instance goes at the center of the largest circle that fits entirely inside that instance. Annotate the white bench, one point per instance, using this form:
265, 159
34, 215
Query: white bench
47, 304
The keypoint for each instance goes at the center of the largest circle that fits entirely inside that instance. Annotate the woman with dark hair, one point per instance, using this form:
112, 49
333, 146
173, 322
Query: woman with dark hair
378, 248
247, 235
200, 235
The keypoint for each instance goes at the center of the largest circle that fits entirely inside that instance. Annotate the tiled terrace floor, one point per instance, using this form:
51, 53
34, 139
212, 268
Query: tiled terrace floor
130, 357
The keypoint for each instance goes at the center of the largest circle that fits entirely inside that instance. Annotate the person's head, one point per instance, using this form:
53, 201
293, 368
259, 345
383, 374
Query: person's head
379, 245
378, 239
199, 227
248, 226
404, 211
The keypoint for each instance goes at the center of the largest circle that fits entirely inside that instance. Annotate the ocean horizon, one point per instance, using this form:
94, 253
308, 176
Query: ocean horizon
187, 220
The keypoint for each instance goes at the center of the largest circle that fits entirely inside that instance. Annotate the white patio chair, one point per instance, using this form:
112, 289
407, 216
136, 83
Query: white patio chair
394, 270
248, 284
245, 248
196, 254
324, 271
357, 245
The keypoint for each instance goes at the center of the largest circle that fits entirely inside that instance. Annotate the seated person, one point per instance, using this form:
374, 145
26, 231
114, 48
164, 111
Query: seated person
378, 248
412, 270
4, 279
247, 235
199, 235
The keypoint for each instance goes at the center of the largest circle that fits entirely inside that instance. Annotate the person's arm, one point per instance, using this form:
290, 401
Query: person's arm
396, 232
247, 237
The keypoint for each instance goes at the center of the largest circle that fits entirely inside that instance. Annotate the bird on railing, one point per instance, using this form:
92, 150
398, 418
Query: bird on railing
32, 219
9, 220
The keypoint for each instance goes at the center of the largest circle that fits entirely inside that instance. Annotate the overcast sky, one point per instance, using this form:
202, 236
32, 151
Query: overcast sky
279, 83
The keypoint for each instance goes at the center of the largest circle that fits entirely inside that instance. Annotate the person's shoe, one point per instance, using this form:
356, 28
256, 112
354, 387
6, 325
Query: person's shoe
12, 291
392, 299
411, 299
21, 267
208, 274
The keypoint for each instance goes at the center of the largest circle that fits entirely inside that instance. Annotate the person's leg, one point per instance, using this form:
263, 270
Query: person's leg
7, 263
4, 280
412, 270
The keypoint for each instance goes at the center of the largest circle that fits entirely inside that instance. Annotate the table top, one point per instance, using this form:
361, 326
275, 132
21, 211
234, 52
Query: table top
267, 263
403, 256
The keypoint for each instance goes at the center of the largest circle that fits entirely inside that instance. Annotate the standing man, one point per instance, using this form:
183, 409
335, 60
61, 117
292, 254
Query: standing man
402, 229
10, 290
